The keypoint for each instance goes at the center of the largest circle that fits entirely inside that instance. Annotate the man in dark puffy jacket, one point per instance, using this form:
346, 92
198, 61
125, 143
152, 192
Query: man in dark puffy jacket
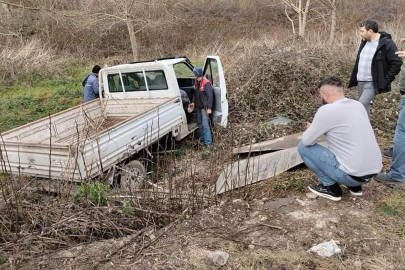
376, 64
90, 85
203, 102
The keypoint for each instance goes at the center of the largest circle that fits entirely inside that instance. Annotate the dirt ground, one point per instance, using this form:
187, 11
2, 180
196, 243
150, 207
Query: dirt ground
270, 225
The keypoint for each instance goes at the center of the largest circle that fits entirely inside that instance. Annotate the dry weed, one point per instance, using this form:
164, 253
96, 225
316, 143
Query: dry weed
31, 56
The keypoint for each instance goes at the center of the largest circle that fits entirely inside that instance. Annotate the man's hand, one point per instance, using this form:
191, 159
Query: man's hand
403, 40
191, 107
400, 54
308, 125
209, 111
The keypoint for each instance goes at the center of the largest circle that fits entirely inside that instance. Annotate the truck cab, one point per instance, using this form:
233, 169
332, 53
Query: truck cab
164, 78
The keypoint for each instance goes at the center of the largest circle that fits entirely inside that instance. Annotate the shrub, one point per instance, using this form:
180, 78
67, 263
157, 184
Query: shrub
94, 192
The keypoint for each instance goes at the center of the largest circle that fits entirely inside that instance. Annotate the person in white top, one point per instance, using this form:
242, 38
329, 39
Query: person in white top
376, 64
352, 156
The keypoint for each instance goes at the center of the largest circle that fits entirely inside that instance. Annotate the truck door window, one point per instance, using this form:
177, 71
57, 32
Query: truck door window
183, 71
135, 81
185, 77
156, 80
114, 83
212, 73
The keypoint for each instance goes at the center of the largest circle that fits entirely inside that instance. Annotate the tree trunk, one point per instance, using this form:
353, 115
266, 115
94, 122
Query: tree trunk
132, 37
6, 9
333, 24
300, 18
304, 19
332, 27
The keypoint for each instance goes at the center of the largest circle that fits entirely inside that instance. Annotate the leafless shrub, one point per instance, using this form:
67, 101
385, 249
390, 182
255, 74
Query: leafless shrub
30, 56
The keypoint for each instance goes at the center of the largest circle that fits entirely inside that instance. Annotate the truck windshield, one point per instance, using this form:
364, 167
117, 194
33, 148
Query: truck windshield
136, 81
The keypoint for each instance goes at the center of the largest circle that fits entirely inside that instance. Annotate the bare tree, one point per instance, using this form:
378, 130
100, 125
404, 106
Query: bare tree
6, 9
301, 9
135, 14
131, 32
332, 5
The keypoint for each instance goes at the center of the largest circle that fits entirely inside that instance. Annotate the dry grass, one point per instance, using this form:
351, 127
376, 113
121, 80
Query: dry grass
31, 56
267, 69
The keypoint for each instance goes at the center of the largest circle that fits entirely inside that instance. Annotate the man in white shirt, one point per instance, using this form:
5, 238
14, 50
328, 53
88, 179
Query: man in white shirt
352, 157
376, 64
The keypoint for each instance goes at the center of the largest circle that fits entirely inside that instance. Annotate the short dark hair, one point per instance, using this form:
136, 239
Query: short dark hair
96, 69
370, 25
330, 80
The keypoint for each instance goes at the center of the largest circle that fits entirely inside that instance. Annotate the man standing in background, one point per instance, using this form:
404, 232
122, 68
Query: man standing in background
388, 152
396, 174
90, 84
203, 102
376, 64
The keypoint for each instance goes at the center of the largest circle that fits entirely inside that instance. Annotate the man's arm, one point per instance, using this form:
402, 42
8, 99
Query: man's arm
394, 61
210, 95
401, 84
94, 86
317, 128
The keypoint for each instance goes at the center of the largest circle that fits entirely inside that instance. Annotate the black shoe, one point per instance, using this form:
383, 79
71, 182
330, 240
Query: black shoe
355, 191
333, 192
387, 152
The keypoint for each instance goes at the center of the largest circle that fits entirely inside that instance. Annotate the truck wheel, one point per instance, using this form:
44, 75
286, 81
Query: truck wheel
133, 175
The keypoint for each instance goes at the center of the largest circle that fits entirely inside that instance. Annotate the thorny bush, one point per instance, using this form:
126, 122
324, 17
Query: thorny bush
281, 82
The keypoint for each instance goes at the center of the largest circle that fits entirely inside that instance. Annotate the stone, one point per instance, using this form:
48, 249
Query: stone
311, 195
326, 249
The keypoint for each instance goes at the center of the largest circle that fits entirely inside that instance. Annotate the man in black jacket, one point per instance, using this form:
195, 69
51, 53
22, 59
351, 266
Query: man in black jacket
376, 64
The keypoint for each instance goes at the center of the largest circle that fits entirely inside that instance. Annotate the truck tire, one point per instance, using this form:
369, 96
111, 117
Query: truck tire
133, 176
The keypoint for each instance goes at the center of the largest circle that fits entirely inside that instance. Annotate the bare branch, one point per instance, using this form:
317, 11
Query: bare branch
288, 17
109, 15
19, 6
130, 6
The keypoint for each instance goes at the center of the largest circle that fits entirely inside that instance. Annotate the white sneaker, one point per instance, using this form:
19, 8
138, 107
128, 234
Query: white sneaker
355, 191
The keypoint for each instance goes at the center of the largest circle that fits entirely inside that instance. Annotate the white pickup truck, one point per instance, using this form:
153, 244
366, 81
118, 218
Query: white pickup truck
140, 105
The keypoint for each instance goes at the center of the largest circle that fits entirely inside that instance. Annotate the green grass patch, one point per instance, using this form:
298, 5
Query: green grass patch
128, 210
392, 205
3, 259
34, 96
94, 192
295, 184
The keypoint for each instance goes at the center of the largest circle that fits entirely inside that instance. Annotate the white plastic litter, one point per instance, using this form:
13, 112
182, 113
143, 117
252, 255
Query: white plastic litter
280, 120
326, 249
219, 258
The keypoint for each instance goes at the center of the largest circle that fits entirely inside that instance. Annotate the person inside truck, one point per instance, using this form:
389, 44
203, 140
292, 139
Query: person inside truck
186, 104
90, 85
203, 101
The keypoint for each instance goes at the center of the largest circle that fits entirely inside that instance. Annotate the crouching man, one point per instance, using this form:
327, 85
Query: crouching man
352, 157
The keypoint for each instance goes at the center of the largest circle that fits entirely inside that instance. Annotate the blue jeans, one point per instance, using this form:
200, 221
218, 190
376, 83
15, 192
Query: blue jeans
397, 170
203, 121
324, 164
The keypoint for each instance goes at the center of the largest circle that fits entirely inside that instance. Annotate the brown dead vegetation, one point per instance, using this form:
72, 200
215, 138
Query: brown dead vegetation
269, 73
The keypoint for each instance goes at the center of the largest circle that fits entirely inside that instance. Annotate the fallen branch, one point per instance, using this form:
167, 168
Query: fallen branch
270, 226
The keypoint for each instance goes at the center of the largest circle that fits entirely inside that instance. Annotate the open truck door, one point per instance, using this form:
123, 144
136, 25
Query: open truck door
214, 72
